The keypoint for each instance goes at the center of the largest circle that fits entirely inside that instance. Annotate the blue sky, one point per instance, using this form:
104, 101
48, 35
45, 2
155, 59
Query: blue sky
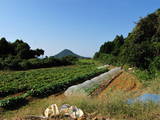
79, 25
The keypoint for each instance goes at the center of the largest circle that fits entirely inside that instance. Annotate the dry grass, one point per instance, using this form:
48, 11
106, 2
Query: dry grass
154, 86
114, 105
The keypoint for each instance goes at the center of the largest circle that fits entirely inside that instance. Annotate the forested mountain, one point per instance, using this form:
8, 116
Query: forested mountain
67, 52
141, 48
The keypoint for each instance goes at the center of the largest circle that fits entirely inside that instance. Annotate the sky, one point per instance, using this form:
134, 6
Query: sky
79, 25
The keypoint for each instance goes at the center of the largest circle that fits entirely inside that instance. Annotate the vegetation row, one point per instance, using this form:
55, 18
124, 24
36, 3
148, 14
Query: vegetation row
42, 82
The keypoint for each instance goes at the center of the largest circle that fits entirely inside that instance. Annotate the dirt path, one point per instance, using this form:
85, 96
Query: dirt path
125, 81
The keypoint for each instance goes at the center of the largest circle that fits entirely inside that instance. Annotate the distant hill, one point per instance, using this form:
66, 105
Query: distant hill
65, 53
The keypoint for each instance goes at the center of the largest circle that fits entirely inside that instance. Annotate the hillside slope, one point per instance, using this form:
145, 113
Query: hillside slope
141, 48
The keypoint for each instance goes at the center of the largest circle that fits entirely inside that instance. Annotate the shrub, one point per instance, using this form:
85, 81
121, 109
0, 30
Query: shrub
108, 59
155, 66
69, 60
13, 63
25, 64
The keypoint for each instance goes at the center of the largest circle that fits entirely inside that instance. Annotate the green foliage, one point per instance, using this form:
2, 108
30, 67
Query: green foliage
144, 76
155, 66
107, 59
112, 47
10, 62
88, 62
13, 102
5, 47
25, 64
107, 47
140, 48
63, 85
18, 49
43, 82
19, 56
110, 52
70, 59
13, 63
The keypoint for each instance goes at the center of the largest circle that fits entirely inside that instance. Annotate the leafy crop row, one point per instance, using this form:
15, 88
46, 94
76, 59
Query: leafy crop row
42, 82
13, 102
62, 85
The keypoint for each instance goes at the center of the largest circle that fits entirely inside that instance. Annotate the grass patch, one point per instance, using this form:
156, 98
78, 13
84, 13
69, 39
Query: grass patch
113, 105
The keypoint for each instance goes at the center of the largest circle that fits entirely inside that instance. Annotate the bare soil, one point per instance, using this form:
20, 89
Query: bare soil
125, 82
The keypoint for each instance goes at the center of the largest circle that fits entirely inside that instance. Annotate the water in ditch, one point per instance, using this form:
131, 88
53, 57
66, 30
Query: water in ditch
146, 98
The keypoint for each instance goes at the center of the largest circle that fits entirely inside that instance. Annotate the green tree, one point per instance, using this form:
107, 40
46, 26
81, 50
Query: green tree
5, 47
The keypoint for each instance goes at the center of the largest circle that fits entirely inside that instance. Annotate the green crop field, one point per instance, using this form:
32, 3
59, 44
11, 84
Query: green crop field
42, 82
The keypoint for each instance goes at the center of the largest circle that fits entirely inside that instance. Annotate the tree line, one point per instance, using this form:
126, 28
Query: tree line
19, 49
18, 55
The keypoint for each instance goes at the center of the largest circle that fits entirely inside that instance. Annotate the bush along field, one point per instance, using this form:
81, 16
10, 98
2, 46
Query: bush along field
15, 87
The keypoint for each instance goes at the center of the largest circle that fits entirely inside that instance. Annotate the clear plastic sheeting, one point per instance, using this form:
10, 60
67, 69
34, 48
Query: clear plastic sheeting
81, 89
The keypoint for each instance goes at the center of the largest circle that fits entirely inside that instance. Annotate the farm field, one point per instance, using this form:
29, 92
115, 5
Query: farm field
16, 86
112, 102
